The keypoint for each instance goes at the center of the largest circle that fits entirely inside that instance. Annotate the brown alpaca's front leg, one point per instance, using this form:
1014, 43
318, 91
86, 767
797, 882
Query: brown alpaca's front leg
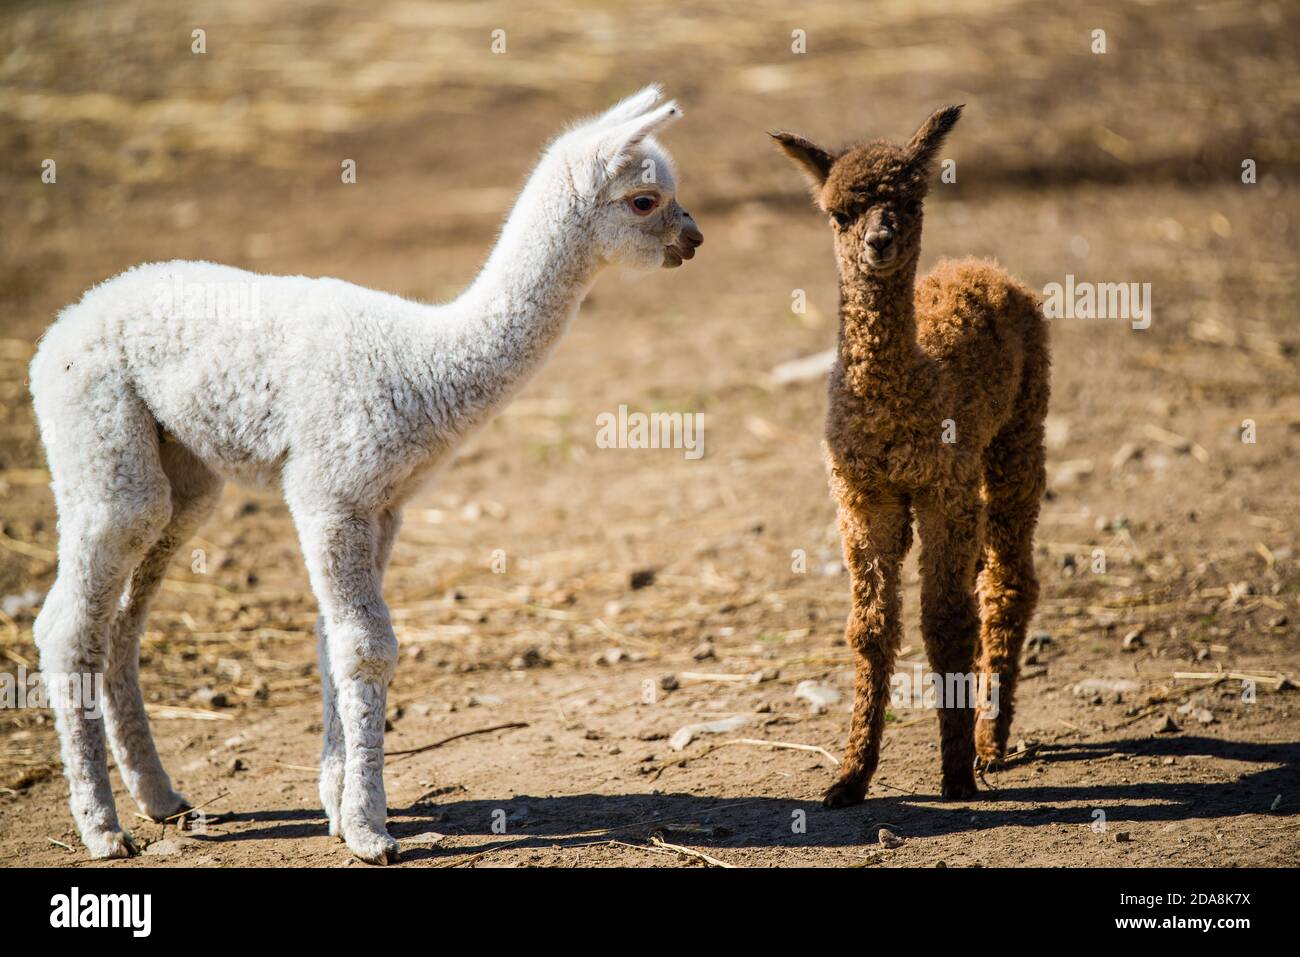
875, 540
950, 536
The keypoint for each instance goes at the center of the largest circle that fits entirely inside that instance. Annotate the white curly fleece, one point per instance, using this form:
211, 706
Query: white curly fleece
168, 379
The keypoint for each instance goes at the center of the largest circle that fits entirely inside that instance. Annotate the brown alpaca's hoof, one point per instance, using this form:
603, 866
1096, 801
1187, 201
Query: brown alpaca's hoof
960, 789
990, 741
989, 762
845, 794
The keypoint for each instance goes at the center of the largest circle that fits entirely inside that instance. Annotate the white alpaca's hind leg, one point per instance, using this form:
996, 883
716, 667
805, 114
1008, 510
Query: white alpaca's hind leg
113, 502
195, 490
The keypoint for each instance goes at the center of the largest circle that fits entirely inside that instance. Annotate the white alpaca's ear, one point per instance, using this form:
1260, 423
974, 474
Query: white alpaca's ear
614, 146
629, 108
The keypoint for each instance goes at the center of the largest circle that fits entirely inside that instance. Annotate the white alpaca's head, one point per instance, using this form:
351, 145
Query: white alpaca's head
626, 186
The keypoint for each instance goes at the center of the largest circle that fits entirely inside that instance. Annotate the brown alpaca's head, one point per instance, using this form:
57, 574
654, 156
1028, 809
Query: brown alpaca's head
873, 193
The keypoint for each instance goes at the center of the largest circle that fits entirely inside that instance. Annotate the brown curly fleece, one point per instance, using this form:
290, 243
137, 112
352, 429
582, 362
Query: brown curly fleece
937, 402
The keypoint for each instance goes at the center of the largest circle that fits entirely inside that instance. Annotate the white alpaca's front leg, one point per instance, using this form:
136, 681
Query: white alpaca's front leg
364, 658
341, 551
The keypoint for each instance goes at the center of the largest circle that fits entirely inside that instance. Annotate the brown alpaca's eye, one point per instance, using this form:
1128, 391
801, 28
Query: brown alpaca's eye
840, 219
643, 205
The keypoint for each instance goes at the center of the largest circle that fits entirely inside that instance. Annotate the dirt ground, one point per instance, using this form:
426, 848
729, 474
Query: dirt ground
619, 564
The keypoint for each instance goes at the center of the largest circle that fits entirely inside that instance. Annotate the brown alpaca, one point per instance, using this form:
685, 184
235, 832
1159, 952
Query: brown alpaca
937, 400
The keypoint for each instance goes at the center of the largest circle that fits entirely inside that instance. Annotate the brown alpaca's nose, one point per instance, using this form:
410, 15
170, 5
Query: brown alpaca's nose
879, 238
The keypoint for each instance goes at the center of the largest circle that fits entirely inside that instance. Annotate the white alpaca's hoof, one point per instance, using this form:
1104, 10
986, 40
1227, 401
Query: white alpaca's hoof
166, 807
374, 847
106, 845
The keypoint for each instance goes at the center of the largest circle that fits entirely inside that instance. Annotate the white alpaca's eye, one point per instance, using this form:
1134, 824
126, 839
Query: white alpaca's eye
644, 204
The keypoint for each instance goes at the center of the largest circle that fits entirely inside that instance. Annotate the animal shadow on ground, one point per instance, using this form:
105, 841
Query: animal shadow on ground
531, 821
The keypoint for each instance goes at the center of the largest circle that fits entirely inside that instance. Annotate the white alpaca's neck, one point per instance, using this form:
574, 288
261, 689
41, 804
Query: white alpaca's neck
506, 323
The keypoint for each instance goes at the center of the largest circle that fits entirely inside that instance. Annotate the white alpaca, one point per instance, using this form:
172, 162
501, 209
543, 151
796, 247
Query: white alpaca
148, 396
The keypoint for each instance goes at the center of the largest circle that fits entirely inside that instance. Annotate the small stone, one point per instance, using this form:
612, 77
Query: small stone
820, 697
668, 682
1239, 591
235, 766
1039, 641
704, 651
641, 578
610, 656
1168, 761
1202, 654
170, 846
1133, 640
613, 749
688, 733
1095, 686
14, 605
1204, 715
889, 839
1122, 837
211, 698
1166, 726
530, 658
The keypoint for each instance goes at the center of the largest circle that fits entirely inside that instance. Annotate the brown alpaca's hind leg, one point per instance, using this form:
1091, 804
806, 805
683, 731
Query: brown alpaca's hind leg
876, 533
950, 626
1013, 489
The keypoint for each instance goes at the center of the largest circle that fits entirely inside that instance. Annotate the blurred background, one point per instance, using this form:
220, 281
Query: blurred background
625, 566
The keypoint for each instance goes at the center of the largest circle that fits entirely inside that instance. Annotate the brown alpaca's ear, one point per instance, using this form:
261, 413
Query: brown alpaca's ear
813, 161
925, 142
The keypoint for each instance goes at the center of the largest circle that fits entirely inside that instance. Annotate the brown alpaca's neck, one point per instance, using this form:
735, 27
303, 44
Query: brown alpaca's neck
877, 347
